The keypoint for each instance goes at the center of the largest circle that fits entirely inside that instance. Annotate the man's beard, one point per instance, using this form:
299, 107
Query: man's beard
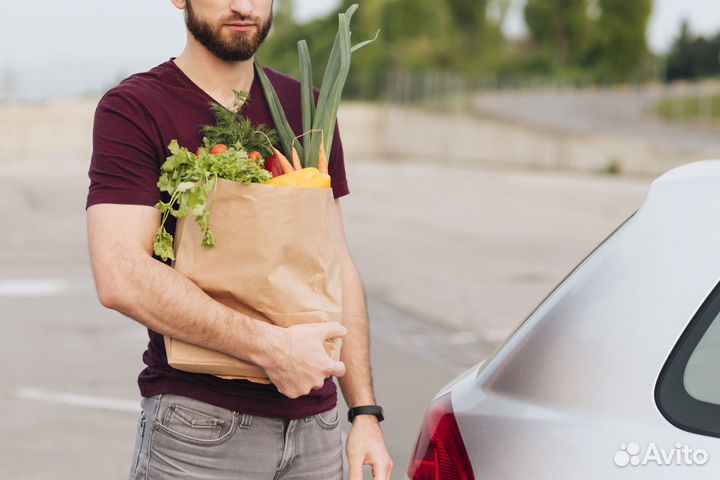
240, 46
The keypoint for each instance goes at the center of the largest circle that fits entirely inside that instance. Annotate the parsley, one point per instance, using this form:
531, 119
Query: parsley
188, 179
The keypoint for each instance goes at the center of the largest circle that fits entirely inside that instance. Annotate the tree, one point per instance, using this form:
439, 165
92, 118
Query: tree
693, 57
451, 35
469, 16
621, 45
561, 26
284, 14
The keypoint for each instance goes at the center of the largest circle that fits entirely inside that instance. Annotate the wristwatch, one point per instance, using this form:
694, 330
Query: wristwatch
366, 410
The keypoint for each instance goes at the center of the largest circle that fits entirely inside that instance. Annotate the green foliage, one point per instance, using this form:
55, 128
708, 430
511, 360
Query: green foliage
188, 179
612, 168
581, 40
690, 108
693, 57
233, 128
469, 16
605, 38
415, 34
561, 27
621, 45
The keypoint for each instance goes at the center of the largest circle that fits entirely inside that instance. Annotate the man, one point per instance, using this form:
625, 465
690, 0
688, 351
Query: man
200, 426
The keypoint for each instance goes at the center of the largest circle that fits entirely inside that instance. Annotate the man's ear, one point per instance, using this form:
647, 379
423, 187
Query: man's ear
179, 4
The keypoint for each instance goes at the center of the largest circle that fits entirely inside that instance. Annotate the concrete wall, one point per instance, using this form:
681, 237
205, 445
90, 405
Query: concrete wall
421, 135
62, 130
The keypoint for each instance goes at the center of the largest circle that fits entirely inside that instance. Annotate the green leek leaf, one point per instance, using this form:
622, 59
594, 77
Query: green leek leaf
285, 132
308, 101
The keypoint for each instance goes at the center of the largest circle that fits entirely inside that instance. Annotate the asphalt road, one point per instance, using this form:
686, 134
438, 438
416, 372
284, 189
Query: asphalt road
452, 260
70, 401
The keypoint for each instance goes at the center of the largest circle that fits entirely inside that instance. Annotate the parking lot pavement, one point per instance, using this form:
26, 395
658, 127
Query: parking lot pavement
474, 249
70, 398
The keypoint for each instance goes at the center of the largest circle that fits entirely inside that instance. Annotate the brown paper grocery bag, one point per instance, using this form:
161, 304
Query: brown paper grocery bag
275, 259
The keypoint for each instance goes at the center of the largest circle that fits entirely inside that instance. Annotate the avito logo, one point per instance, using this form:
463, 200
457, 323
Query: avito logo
631, 454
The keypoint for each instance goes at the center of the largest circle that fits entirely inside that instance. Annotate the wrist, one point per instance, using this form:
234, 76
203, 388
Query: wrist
373, 411
366, 419
267, 338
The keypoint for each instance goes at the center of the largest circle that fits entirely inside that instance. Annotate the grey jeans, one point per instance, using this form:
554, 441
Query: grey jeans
182, 438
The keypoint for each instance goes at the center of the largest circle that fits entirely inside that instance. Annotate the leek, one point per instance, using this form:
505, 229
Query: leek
318, 121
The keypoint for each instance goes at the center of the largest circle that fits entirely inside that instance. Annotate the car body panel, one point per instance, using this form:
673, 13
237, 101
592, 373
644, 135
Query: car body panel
575, 382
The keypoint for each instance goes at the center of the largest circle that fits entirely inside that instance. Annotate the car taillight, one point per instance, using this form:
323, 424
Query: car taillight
440, 452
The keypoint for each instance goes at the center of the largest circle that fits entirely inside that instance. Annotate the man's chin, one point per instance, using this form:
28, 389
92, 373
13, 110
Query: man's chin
235, 55
240, 41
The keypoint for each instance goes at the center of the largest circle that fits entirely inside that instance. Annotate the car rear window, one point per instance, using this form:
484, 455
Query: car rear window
702, 380
688, 389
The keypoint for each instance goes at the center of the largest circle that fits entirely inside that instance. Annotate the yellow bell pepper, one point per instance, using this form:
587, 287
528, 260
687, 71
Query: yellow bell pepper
305, 178
321, 180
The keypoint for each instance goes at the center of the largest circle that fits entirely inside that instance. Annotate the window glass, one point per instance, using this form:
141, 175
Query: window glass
688, 389
702, 374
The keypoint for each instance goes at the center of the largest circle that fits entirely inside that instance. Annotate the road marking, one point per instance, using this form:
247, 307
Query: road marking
76, 400
39, 287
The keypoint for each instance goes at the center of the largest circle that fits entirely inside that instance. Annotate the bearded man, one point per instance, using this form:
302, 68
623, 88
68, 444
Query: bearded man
201, 426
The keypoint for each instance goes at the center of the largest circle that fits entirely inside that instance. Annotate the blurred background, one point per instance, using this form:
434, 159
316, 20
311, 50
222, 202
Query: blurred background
490, 145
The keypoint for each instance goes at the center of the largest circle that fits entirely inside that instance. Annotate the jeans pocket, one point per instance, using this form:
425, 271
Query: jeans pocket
196, 422
328, 419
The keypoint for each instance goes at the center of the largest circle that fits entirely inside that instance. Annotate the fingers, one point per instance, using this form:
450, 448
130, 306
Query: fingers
356, 468
335, 329
312, 366
382, 470
339, 369
386, 471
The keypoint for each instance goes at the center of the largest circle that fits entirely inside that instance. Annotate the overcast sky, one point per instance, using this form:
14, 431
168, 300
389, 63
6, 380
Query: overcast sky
66, 47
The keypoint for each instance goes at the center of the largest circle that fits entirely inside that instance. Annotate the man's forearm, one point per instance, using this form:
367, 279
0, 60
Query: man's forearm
356, 384
167, 302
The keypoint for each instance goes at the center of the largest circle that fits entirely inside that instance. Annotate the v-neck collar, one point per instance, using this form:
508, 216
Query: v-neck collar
254, 86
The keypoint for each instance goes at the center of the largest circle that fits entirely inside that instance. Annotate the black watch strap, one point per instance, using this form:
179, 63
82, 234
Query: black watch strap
366, 410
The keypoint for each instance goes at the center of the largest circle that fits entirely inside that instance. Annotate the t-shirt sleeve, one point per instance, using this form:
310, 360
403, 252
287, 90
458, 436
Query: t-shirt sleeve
124, 167
336, 166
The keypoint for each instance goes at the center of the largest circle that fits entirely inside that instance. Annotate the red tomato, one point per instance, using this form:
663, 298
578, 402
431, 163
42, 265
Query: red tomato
218, 149
197, 153
255, 156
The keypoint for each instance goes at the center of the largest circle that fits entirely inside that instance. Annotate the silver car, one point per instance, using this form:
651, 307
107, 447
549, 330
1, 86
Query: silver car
616, 374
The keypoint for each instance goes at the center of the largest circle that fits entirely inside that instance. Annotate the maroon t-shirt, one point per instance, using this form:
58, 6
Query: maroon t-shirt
134, 123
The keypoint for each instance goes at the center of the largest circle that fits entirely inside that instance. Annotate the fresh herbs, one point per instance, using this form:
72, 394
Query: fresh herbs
189, 177
232, 127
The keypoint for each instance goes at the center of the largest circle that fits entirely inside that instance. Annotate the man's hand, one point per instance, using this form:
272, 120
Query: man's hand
296, 360
365, 446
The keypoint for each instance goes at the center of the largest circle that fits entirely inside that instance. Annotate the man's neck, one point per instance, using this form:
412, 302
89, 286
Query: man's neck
216, 77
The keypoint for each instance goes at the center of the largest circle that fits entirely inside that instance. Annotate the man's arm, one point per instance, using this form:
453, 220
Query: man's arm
128, 279
365, 444
357, 384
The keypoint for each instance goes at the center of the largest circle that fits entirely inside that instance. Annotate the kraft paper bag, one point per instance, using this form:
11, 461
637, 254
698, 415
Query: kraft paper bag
276, 259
